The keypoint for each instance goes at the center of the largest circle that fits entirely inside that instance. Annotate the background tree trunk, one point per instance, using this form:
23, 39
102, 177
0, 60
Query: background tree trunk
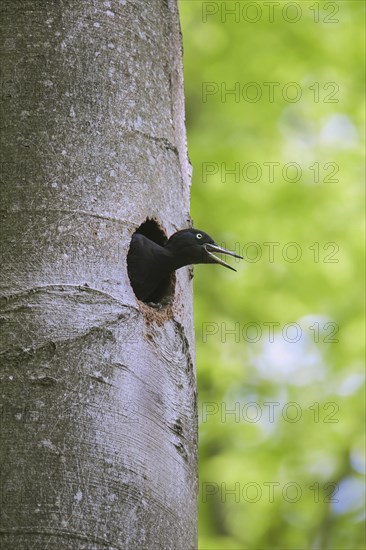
98, 400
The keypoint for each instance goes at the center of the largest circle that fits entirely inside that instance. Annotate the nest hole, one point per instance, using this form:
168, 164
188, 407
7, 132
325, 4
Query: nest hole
140, 280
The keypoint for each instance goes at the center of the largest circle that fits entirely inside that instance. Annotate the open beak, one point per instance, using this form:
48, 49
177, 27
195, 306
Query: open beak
214, 248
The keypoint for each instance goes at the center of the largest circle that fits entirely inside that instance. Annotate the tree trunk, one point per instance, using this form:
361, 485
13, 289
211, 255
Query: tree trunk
98, 398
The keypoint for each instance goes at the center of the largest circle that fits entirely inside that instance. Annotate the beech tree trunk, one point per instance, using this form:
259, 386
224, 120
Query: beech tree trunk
98, 395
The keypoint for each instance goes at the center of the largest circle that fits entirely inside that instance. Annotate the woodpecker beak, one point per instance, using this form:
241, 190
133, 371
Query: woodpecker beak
214, 259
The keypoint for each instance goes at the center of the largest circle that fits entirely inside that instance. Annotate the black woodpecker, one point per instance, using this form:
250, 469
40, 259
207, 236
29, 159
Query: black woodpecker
150, 265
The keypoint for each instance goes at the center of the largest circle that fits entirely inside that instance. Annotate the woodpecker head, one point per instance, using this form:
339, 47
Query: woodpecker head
192, 246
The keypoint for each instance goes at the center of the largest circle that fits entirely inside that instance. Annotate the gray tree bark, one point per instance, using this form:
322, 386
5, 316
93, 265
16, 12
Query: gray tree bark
98, 399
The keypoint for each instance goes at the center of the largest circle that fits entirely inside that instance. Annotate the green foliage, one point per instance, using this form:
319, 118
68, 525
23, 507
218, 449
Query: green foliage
292, 451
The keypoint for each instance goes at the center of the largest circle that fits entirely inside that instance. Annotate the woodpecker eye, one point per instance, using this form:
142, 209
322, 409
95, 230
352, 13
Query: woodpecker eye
199, 236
